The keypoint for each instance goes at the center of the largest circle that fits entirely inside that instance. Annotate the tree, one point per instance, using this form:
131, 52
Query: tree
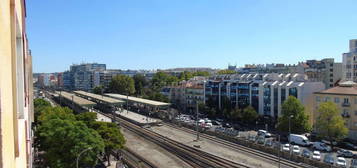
63, 140
39, 105
140, 82
161, 79
98, 90
87, 117
201, 73
226, 72
112, 137
249, 114
210, 112
236, 114
299, 120
122, 84
156, 96
185, 75
329, 124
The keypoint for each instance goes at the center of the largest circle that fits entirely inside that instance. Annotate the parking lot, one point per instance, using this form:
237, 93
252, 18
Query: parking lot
270, 141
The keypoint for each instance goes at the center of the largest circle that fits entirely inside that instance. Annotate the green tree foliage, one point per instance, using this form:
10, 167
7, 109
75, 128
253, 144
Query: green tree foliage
161, 79
140, 82
87, 117
122, 84
299, 121
157, 96
98, 90
186, 75
249, 114
329, 124
39, 105
62, 138
113, 138
235, 114
226, 72
210, 112
201, 73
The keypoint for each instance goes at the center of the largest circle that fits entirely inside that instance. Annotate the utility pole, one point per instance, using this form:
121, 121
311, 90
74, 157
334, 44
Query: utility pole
198, 133
279, 152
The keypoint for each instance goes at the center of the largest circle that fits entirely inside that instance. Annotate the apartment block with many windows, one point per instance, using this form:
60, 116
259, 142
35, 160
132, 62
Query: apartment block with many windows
264, 92
349, 63
345, 98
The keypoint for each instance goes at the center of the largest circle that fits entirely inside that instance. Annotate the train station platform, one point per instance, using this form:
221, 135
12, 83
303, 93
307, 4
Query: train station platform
137, 118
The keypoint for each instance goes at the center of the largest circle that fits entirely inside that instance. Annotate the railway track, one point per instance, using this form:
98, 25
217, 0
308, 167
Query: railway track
240, 148
192, 156
133, 160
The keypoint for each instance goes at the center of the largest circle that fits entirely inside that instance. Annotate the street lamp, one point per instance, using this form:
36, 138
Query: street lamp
198, 133
79, 155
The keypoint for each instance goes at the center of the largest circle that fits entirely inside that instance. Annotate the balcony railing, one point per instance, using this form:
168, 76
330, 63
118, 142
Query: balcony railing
346, 104
345, 115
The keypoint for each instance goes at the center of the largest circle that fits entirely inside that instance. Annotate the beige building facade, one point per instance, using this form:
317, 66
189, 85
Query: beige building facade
16, 99
345, 98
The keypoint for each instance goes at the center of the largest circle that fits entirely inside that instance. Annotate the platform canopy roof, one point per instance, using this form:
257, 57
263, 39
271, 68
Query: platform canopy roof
76, 99
138, 100
98, 97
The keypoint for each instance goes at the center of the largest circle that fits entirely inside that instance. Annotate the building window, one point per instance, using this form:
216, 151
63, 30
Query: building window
337, 100
331, 80
345, 100
355, 100
356, 113
327, 99
331, 85
318, 99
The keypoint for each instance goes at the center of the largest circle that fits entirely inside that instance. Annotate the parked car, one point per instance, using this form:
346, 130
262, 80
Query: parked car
347, 145
299, 140
344, 153
227, 125
261, 140
264, 133
321, 146
306, 153
269, 142
329, 159
341, 162
214, 122
296, 149
286, 147
353, 163
316, 155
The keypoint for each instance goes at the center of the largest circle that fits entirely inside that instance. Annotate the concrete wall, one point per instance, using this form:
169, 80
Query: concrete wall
15, 87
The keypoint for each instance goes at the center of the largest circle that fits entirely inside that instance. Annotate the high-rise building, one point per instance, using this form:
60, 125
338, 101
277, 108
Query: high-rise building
82, 76
16, 92
349, 63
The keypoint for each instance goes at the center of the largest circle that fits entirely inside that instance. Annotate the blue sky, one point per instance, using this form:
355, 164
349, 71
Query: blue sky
151, 34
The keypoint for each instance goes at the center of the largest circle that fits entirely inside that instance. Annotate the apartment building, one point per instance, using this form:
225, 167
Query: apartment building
326, 70
80, 77
345, 98
349, 63
16, 93
264, 92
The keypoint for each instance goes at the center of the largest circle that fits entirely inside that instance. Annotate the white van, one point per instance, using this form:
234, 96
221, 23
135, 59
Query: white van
299, 140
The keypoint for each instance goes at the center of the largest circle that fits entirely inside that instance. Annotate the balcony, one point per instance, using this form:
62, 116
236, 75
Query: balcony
345, 115
346, 104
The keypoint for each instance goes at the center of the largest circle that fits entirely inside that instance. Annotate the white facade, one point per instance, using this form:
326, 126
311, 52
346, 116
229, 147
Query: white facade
349, 63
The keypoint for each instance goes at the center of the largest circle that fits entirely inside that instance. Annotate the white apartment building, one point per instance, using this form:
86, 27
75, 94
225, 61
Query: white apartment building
349, 63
